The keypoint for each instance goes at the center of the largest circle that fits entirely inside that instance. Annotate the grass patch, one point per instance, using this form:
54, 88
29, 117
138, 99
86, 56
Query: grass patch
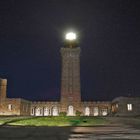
59, 121
6, 120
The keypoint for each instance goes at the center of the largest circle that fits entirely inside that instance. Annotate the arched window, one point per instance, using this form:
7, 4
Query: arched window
104, 112
55, 111
46, 111
70, 111
39, 112
95, 111
87, 111
32, 111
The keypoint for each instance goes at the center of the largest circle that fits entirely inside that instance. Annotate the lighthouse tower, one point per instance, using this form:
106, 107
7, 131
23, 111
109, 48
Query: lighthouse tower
70, 75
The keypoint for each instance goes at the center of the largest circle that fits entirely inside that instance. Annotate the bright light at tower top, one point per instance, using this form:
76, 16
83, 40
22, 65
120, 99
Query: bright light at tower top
70, 36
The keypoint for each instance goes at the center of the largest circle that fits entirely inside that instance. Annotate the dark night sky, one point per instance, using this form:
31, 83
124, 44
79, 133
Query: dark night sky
32, 33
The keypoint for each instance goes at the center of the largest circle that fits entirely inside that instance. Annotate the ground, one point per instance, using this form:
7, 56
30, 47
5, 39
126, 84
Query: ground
115, 129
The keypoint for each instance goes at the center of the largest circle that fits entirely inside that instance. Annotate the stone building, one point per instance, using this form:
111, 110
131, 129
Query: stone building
12, 106
70, 101
126, 106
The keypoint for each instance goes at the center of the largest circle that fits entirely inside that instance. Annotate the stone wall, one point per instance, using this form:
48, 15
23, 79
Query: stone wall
104, 108
45, 108
25, 107
97, 108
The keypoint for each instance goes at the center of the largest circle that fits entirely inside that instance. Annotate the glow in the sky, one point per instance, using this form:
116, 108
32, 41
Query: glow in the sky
70, 36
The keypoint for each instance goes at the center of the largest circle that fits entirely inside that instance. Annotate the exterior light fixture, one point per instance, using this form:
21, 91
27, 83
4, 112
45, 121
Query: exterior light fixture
71, 36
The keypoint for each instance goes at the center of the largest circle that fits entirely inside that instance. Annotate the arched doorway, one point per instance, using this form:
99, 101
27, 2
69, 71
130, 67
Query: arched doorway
104, 112
55, 111
87, 111
70, 111
95, 111
39, 111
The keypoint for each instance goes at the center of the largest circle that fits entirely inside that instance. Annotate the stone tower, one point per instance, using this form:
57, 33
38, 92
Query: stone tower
70, 74
3, 87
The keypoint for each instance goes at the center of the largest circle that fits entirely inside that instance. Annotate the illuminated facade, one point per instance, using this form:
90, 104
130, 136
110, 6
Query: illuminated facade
70, 102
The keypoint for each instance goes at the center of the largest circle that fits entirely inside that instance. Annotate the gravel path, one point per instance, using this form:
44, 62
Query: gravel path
112, 132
